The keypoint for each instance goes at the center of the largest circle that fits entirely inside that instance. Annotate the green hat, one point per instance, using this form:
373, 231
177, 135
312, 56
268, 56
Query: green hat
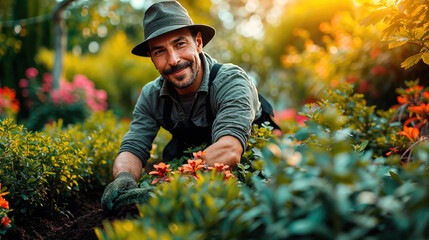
164, 17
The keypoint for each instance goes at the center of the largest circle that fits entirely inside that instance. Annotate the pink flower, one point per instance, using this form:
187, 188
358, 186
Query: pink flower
31, 72
81, 81
24, 93
286, 114
101, 95
47, 78
46, 86
23, 83
300, 119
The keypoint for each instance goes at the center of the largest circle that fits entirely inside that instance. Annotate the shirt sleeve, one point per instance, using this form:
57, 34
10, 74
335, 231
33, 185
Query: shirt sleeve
236, 105
143, 129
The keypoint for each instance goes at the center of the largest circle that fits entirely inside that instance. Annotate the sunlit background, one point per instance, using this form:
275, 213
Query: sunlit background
292, 49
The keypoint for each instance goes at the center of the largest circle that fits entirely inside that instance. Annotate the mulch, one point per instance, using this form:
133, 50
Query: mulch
83, 215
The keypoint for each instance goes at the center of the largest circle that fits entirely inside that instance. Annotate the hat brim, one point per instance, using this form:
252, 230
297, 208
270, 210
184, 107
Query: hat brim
142, 49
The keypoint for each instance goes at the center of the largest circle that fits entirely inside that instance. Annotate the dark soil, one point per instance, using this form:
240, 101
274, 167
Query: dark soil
84, 214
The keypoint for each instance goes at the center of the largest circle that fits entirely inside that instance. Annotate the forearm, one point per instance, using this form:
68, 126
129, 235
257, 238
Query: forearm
127, 162
226, 150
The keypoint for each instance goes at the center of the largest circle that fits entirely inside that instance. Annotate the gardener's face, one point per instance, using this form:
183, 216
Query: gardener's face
176, 56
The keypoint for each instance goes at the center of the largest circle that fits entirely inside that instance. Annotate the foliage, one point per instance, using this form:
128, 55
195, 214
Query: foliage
99, 139
4, 209
72, 102
413, 112
38, 168
251, 162
312, 192
406, 21
343, 110
9, 105
45, 168
209, 201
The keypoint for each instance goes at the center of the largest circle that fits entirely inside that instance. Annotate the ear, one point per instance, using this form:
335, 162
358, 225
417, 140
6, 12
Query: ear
199, 41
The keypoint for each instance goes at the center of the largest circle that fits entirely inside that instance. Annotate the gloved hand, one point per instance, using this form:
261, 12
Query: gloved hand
124, 181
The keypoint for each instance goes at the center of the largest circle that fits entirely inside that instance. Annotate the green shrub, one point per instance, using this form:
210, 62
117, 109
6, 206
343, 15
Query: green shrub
325, 191
43, 169
99, 139
39, 169
341, 108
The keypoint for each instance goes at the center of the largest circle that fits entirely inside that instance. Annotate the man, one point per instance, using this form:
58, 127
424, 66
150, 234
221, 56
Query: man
191, 99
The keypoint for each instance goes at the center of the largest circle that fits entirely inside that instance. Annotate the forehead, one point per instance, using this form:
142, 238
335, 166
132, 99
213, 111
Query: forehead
168, 37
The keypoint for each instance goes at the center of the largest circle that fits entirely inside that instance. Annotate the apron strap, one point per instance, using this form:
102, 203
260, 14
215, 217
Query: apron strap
212, 76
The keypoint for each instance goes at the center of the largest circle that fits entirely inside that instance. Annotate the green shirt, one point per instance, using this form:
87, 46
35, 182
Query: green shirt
234, 103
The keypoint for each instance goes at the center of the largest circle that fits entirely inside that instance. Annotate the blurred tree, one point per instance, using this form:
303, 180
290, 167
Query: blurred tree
60, 39
24, 29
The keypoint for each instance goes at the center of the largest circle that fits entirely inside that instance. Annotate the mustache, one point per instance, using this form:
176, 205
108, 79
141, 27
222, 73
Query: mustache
178, 67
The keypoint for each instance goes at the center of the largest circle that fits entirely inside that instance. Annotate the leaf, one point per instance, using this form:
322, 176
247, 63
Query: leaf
398, 43
411, 61
395, 176
425, 57
362, 146
375, 17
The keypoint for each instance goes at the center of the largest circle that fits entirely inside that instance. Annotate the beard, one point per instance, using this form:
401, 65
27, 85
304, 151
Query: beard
181, 82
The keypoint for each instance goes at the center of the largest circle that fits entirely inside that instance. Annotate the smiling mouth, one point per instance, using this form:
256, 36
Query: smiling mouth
179, 72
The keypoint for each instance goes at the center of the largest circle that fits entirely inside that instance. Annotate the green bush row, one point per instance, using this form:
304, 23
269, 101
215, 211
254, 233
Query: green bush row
329, 180
301, 193
42, 169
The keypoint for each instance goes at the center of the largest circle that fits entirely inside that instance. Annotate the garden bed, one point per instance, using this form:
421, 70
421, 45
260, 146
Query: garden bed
83, 216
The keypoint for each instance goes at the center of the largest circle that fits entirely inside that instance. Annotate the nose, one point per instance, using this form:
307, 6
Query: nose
173, 58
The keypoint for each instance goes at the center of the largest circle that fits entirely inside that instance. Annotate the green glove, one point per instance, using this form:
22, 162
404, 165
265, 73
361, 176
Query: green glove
124, 181
132, 196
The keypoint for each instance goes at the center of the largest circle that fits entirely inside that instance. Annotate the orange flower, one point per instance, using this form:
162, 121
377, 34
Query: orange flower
194, 165
423, 109
181, 170
219, 167
161, 168
228, 174
4, 203
402, 99
426, 95
199, 154
5, 221
414, 90
411, 133
392, 150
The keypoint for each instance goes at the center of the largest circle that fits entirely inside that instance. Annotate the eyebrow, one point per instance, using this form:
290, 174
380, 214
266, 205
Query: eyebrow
172, 42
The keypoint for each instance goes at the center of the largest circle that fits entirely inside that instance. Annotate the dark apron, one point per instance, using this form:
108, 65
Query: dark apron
187, 134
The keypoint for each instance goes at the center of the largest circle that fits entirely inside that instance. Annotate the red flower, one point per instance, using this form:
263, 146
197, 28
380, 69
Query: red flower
392, 150
402, 99
4, 203
31, 72
194, 165
161, 169
181, 170
199, 154
5, 221
411, 133
422, 110
219, 167
228, 174
379, 70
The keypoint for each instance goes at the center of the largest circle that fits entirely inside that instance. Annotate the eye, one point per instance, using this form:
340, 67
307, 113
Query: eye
158, 52
180, 44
